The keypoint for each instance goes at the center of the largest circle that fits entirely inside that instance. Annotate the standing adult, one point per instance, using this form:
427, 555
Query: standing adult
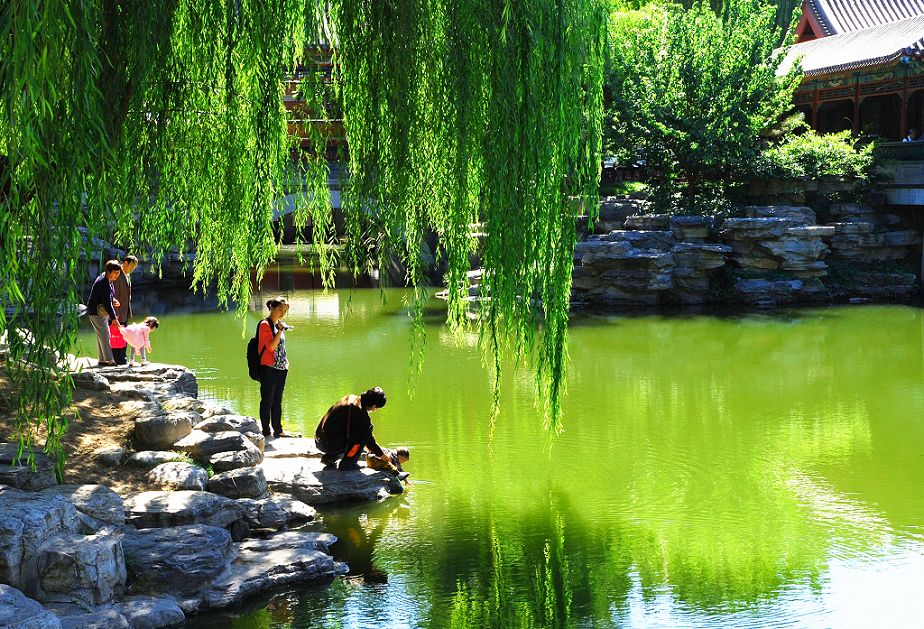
101, 309
123, 289
274, 366
346, 429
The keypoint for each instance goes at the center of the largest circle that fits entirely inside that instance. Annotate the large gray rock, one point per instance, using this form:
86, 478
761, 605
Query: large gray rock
260, 567
660, 240
247, 456
90, 380
27, 521
162, 431
297, 447
245, 482
89, 569
152, 612
756, 228
109, 455
158, 381
175, 508
275, 512
178, 475
21, 612
221, 423
201, 445
180, 559
82, 616
97, 501
204, 407
305, 480
151, 458
21, 474
798, 214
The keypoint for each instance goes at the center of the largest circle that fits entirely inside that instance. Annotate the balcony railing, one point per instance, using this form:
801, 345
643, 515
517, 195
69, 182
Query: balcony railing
901, 151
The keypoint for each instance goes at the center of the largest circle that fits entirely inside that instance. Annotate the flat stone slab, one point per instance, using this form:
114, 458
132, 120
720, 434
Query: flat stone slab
200, 445
151, 458
175, 508
290, 447
220, 423
97, 501
20, 611
248, 456
262, 566
275, 512
305, 480
245, 482
152, 612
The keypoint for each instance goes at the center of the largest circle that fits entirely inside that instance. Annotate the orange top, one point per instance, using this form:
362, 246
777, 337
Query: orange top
264, 338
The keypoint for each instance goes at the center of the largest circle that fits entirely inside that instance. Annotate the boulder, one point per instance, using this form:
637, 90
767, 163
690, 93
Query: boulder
695, 227
756, 228
157, 381
152, 612
641, 239
649, 221
21, 474
183, 403
179, 559
151, 458
162, 431
178, 475
220, 423
275, 512
248, 456
27, 521
89, 569
201, 445
245, 482
21, 612
97, 501
90, 380
261, 567
176, 508
800, 215
297, 447
305, 480
109, 455
256, 439
82, 616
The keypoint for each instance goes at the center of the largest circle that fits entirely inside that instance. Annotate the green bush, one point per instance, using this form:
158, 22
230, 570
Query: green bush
812, 156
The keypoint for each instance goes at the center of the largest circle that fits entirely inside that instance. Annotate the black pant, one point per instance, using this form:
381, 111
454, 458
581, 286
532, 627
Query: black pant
119, 354
348, 454
272, 384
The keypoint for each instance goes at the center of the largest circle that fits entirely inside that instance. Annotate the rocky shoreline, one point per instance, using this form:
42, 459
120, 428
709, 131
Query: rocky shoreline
211, 529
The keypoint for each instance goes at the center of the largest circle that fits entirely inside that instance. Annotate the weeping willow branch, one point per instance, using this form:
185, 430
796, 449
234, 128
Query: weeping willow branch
163, 124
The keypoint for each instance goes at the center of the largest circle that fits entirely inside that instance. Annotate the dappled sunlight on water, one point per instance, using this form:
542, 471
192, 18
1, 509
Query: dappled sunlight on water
712, 472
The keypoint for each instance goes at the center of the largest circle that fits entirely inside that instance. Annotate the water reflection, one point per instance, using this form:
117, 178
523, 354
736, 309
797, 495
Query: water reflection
713, 472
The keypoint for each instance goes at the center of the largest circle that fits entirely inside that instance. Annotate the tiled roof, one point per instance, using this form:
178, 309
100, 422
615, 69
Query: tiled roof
858, 49
847, 16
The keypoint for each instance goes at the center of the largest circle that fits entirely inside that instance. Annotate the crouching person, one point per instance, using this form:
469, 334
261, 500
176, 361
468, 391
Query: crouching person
397, 457
346, 430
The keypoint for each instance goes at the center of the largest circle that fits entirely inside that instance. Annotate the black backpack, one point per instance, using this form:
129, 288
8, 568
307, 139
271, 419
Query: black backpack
253, 356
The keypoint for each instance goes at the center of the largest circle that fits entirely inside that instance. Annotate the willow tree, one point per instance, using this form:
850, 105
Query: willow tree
163, 123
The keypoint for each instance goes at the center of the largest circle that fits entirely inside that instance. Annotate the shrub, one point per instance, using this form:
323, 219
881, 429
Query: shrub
813, 156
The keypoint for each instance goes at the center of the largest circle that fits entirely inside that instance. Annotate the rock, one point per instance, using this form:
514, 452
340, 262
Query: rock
649, 221
21, 475
220, 423
305, 480
90, 380
27, 521
178, 475
860, 227
161, 382
797, 214
306, 540
179, 559
257, 569
811, 231
211, 409
248, 456
296, 447
639, 239
74, 567
152, 612
691, 227
109, 455
902, 238
151, 458
275, 512
183, 403
201, 445
162, 431
755, 228
81, 616
246, 482
97, 501
256, 439
17, 611
175, 508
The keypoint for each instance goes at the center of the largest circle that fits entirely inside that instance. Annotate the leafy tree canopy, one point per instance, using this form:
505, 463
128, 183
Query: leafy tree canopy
165, 121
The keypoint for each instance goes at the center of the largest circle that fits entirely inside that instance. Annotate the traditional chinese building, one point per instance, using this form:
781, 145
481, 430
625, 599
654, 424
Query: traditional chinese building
863, 65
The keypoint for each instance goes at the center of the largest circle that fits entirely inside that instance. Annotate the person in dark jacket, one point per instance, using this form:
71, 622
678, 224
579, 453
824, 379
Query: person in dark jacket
346, 429
123, 289
101, 309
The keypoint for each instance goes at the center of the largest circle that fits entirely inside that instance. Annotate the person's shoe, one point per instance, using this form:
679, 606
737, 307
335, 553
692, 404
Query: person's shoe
280, 435
348, 467
131, 364
143, 363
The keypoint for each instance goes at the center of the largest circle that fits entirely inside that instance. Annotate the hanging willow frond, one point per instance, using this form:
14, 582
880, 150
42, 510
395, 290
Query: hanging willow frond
162, 124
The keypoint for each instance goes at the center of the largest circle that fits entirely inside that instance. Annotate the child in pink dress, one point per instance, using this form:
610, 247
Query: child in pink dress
137, 336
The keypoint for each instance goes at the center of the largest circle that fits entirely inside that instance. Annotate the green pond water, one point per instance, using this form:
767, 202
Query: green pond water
740, 471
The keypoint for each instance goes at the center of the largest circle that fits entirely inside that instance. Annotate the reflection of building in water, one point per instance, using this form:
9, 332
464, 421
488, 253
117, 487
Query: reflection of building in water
287, 274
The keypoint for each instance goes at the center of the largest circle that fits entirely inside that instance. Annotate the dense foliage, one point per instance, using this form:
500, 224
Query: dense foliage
690, 93
809, 155
167, 118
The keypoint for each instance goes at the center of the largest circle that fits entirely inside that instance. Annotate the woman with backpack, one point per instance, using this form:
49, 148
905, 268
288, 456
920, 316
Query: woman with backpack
274, 366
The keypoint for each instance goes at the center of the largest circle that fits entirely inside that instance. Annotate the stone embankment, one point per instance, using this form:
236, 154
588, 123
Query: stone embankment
771, 255
212, 530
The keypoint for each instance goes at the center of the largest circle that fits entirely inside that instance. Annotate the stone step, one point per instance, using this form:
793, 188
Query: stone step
306, 480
